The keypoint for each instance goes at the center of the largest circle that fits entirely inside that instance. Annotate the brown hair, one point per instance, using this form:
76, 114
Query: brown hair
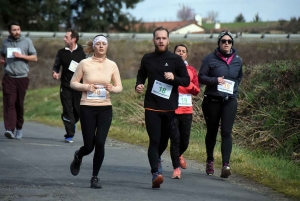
88, 49
161, 28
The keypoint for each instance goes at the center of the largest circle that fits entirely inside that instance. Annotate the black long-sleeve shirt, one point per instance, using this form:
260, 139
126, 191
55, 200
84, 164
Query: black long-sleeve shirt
64, 58
153, 66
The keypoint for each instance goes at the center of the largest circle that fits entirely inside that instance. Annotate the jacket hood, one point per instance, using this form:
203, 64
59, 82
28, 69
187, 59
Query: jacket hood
11, 39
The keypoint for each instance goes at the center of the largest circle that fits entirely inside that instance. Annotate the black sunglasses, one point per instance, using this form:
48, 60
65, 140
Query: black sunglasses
224, 41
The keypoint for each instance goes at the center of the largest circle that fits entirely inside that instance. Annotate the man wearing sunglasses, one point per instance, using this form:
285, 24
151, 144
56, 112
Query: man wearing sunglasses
221, 72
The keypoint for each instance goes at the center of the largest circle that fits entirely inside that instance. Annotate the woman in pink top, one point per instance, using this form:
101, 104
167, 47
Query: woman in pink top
97, 73
181, 127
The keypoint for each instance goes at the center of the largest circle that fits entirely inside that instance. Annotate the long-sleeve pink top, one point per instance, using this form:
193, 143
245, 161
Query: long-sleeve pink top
98, 71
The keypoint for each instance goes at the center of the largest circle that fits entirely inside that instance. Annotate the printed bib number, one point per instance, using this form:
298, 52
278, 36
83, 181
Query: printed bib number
99, 93
185, 100
227, 87
162, 89
73, 66
11, 50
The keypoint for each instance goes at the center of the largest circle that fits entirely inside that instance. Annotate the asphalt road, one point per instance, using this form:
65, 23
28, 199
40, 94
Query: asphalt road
37, 168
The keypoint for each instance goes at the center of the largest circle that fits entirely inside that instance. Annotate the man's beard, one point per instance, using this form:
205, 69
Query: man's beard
159, 49
16, 36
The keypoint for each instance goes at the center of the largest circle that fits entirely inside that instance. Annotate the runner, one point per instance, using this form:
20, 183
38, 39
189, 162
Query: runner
68, 57
181, 129
165, 72
96, 73
221, 72
16, 52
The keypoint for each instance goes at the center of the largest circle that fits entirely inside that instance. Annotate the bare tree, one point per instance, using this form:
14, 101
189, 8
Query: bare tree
185, 13
256, 18
212, 15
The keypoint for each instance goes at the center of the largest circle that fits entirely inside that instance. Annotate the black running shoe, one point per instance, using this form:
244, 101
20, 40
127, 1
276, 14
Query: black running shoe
95, 182
75, 165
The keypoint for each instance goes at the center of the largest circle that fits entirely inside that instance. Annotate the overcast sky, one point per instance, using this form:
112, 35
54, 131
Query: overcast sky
268, 10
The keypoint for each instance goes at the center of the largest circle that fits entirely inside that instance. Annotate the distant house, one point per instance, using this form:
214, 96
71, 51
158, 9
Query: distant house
174, 27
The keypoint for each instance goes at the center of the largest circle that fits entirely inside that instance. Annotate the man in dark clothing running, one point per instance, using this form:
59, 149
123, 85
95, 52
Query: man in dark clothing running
68, 58
165, 72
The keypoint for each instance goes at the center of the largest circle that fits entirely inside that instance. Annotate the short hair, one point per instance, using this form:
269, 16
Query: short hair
11, 23
74, 34
182, 45
161, 28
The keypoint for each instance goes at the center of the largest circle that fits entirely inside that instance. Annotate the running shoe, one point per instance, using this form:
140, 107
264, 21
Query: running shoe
159, 167
9, 134
75, 165
19, 134
95, 182
68, 139
182, 162
176, 173
210, 167
226, 171
157, 180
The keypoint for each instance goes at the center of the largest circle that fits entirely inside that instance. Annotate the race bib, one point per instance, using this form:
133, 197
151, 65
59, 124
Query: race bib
227, 87
162, 89
73, 65
99, 93
11, 50
185, 100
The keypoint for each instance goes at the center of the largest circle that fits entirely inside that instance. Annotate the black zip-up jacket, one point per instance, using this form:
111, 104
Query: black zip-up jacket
213, 67
64, 58
153, 66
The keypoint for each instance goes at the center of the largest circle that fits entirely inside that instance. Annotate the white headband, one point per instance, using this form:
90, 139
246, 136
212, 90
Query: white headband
99, 38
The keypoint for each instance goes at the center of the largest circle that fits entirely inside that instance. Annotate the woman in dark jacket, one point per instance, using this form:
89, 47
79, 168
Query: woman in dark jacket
221, 72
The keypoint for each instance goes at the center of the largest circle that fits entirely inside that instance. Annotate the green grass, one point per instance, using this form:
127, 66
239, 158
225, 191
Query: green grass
43, 105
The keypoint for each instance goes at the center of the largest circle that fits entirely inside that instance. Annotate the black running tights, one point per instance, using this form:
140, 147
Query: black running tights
95, 123
180, 136
214, 111
158, 125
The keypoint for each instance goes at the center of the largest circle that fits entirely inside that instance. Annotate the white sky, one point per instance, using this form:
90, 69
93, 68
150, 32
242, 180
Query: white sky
268, 10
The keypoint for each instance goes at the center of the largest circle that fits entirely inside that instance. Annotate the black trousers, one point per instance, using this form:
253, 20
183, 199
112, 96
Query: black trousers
95, 123
158, 125
216, 110
70, 101
180, 136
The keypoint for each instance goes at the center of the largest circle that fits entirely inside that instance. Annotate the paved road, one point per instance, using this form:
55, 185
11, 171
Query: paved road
37, 168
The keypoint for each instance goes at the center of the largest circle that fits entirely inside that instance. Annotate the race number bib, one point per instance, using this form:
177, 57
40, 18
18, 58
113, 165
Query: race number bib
162, 89
73, 66
227, 87
99, 93
185, 100
11, 50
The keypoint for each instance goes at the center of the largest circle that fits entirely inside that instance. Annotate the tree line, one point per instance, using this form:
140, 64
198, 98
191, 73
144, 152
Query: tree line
58, 15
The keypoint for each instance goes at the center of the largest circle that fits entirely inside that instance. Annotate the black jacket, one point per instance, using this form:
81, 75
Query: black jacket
213, 67
153, 66
64, 58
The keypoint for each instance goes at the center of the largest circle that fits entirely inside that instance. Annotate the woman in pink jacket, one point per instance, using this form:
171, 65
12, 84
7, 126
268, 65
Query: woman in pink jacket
181, 128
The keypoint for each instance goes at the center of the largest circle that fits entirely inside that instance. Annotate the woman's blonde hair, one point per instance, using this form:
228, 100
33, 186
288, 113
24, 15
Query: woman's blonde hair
88, 49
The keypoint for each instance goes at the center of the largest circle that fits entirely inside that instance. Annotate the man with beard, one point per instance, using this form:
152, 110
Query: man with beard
165, 72
16, 52
69, 57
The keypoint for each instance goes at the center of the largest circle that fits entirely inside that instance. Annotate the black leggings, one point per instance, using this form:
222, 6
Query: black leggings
95, 123
158, 125
180, 136
215, 110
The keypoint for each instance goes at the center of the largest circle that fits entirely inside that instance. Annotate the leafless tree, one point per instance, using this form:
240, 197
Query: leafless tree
212, 15
185, 13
